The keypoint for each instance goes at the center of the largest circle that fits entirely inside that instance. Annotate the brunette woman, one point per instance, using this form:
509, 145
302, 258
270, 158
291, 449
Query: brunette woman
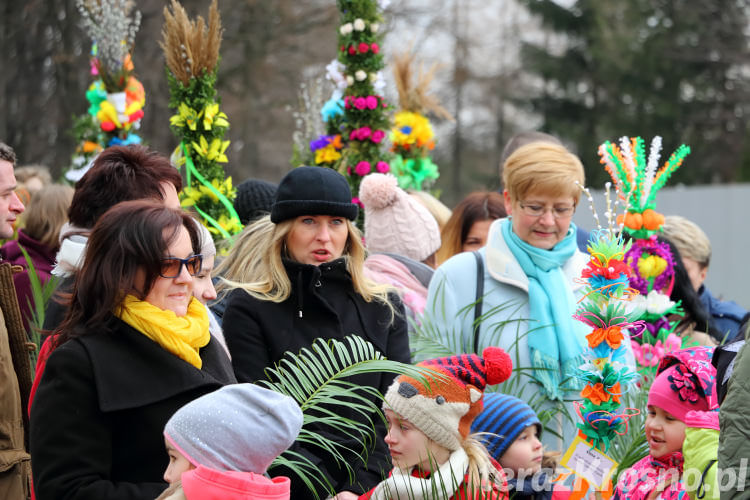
133, 348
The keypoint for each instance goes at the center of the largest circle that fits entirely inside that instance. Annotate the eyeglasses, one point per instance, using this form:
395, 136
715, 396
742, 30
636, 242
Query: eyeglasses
171, 267
536, 210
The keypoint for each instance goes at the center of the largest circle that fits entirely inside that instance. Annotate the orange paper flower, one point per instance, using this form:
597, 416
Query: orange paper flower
596, 393
612, 335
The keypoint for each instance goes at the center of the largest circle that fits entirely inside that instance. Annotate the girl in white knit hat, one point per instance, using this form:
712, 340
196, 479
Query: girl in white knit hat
433, 453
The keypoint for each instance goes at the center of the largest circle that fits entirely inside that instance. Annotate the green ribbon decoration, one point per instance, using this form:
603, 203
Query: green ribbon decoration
190, 168
412, 172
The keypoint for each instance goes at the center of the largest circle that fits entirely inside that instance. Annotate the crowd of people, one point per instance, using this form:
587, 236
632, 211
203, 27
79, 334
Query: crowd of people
153, 343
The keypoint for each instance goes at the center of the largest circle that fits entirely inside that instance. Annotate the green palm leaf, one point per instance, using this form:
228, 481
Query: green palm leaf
41, 294
317, 378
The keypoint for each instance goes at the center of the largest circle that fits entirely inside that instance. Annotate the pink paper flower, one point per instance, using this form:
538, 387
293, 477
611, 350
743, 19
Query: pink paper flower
353, 135
375, 48
372, 101
378, 136
360, 103
364, 133
672, 343
352, 50
363, 48
357, 201
363, 168
647, 354
348, 170
383, 167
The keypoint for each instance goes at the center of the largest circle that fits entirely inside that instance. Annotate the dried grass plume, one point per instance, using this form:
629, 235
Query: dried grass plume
190, 47
413, 94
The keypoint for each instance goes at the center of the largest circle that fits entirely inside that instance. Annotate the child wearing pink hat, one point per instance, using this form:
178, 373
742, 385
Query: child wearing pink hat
682, 430
433, 453
221, 444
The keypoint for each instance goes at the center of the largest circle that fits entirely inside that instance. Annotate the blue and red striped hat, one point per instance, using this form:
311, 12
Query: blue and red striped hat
503, 419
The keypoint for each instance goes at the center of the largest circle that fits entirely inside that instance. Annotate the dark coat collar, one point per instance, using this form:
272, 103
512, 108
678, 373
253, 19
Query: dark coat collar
131, 370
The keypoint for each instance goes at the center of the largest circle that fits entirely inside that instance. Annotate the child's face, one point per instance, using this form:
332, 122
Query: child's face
664, 432
409, 446
177, 464
525, 454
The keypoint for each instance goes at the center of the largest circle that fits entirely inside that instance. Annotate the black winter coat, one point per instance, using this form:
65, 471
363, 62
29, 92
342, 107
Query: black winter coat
323, 304
98, 417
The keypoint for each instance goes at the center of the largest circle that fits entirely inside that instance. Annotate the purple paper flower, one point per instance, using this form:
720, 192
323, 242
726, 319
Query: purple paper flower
650, 246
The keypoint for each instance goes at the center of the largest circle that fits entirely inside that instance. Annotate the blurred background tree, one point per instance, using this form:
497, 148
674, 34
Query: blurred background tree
586, 71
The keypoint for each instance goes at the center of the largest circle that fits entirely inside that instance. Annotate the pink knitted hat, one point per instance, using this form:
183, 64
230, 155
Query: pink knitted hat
676, 391
394, 221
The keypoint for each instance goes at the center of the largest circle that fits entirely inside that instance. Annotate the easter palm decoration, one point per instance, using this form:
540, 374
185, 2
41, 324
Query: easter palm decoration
191, 49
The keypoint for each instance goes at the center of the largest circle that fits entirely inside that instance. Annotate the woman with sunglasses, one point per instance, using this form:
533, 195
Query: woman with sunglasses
133, 348
304, 279
529, 268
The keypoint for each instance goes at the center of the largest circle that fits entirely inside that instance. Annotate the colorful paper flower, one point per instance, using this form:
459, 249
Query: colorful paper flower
186, 116
213, 151
212, 116
363, 168
611, 335
383, 167
647, 354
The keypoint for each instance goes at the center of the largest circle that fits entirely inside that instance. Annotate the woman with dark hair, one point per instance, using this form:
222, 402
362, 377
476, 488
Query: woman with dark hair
303, 279
133, 348
469, 224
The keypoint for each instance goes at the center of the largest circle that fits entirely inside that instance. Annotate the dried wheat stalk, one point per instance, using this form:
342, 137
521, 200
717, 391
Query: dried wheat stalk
190, 47
413, 95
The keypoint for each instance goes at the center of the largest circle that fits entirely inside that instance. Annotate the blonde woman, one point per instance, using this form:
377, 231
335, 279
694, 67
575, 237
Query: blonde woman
40, 238
529, 269
303, 279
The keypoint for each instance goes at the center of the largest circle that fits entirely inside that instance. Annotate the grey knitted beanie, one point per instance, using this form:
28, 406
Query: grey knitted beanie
241, 427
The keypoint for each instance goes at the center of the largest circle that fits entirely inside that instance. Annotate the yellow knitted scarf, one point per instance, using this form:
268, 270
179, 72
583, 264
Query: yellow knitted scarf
180, 335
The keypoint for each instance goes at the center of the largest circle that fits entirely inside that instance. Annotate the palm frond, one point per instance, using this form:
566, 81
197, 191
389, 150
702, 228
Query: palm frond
41, 294
318, 378
632, 446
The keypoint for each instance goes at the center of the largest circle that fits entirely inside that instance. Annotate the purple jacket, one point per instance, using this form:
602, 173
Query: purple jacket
43, 258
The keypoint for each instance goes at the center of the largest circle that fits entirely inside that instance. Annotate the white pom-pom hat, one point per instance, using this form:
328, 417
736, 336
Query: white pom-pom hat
394, 221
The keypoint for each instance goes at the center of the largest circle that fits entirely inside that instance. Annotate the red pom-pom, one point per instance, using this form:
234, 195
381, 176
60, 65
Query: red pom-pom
497, 365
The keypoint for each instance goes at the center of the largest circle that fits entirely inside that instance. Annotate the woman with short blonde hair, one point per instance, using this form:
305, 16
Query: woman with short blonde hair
526, 283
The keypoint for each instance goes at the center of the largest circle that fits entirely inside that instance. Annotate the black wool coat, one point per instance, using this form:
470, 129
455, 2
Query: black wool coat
322, 304
98, 417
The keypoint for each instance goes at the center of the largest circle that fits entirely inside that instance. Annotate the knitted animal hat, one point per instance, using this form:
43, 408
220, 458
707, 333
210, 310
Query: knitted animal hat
445, 408
241, 427
504, 418
394, 221
313, 191
685, 381
254, 199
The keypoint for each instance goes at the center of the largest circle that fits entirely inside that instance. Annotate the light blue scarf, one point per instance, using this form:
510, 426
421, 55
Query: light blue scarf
554, 348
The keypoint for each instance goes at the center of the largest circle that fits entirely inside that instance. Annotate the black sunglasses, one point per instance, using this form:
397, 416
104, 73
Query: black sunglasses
172, 266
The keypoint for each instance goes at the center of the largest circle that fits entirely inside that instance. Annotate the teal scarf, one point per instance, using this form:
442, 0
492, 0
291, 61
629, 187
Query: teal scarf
554, 348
